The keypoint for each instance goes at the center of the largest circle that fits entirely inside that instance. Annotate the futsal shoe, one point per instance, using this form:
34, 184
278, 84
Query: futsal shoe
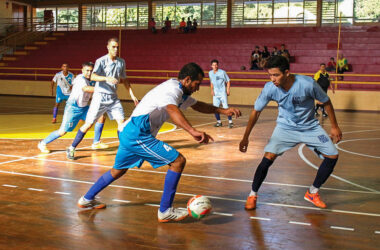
218, 124
250, 204
99, 145
42, 147
172, 214
70, 153
315, 199
230, 125
324, 114
83, 203
54, 120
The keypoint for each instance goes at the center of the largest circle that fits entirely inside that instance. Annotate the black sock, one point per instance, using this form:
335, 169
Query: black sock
324, 171
261, 173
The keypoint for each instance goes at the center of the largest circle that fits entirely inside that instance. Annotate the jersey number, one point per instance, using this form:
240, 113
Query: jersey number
167, 147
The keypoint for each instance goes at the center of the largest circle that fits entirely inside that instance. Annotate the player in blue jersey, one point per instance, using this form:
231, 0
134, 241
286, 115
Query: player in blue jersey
138, 142
220, 89
295, 95
63, 79
109, 71
76, 107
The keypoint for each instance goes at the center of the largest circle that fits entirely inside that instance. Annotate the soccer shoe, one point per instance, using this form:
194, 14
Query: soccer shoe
230, 125
54, 120
324, 114
172, 214
315, 199
99, 145
250, 204
83, 203
42, 147
218, 124
70, 153
316, 113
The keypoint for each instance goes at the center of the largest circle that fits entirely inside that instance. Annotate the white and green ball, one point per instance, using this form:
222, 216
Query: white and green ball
199, 206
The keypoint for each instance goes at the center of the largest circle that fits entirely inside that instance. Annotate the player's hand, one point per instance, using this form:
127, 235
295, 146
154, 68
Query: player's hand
228, 92
232, 112
201, 137
212, 92
336, 134
112, 80
243, 146
135, 100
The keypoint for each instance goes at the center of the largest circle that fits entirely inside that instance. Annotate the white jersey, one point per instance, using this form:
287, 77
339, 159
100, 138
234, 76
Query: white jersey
104, 66
78, 96
150, 113
64, 82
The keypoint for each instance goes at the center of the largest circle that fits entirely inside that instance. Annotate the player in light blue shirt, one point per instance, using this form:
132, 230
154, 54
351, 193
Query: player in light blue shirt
295, 95
220, 89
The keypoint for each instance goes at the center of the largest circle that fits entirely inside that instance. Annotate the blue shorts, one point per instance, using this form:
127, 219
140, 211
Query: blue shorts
220, 99
59, 97
315, 138
72, 115
133, 152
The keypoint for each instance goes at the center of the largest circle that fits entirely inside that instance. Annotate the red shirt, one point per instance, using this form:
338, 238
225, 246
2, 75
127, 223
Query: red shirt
182, 24
330, 64
152, 24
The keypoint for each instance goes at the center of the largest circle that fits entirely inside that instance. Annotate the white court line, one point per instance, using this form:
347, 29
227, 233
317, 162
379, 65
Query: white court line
377, 232
191, 195
360, 154
64, 193
300, 153
300, 223
223, 214
123, 201
35, 189
259, 218
11, 186
343, 228
152, 205
360, 131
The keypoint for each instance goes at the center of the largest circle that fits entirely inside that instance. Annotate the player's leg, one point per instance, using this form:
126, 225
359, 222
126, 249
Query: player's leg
280, 141
58, 99
225, 106
216, 102
115, 111
98, 129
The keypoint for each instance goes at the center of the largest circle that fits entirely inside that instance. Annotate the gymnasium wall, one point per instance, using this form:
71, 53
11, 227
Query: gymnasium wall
342, 99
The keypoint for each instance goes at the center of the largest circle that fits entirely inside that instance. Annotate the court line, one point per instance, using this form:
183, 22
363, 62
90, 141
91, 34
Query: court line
360, 131
191, 195
300, 153
377, 232
223, 214
123, 201
300, 223
259, 218
64, 193
35, 189
342, 228
11, 186
360, 154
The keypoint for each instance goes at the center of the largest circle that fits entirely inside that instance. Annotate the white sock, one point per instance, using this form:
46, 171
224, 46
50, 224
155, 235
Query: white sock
219, 121
252, 193
71, 148
313, 189
230, 121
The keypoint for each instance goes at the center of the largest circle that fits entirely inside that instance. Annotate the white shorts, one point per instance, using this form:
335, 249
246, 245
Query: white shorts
220, 99
104, 103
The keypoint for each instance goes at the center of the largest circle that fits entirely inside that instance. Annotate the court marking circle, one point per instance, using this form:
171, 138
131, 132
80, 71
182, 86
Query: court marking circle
355, 153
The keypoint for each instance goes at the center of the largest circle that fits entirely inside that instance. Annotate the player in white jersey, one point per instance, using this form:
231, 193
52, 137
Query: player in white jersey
63, 79
109, 70
138, 142
76, 106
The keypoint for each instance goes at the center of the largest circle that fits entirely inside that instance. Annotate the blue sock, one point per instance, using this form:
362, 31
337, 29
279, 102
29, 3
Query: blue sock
217, 116
98, 132
55, 112
324, 171
118, 134
53, 136
170, 187
229, 118
78, 138
99, 185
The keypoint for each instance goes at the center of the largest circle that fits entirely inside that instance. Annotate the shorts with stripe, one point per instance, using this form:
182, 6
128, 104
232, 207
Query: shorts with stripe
59, 97
133, 152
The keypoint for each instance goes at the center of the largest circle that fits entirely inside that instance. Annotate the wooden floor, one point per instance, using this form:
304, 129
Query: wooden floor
38, 193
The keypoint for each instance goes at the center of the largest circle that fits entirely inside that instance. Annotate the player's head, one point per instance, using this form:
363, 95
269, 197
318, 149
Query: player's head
215, 65
282, 46
87, 68
65, 67
332, 59
113, 46
191, 76
278, 69
322, 67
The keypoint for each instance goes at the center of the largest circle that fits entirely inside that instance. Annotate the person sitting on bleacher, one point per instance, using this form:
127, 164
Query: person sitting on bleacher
264, 57
195, 25
152, 25
182, 25
255, 58
342, 65
189, 25
331, 66
168, 25
284, 52
275, 52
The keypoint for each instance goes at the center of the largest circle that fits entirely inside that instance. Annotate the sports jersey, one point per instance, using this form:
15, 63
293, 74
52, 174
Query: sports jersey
295, 106
323, 79
150, 113
104, 66
80, 97
219, 80
64, 82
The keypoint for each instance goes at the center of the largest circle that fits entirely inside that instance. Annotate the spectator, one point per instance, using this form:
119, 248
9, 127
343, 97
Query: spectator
195, 25
264, 57
323, 80
152, 25
255, 58
168, 25
331, 66
182, 25
284, 52
342, 65
275, 52
189, 25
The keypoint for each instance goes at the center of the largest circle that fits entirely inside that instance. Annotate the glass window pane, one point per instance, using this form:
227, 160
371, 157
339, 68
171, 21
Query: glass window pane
265, 11
367, 10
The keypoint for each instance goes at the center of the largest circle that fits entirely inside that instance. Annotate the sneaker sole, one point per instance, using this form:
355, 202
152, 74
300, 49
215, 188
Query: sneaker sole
306, 199
179, 219
95, 207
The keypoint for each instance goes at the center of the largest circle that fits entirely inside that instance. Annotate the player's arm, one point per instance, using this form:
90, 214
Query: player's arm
52, 87
88, 89
210, 109
212, 88
98, 78
228, 85
243, 146
179, 119
335, 132
127, 85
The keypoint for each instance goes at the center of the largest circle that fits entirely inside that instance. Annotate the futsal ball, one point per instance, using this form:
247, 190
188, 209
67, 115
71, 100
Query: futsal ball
199, 206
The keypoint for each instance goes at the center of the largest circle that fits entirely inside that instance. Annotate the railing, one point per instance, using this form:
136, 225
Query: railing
138, 76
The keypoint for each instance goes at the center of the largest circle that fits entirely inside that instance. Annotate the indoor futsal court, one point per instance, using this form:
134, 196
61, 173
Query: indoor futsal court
39, 192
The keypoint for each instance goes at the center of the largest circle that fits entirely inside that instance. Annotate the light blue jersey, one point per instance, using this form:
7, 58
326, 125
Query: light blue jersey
296, 106
219, 81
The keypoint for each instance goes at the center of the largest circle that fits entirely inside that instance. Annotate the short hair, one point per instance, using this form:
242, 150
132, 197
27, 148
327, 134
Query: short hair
191, 69
113, 39
214, 61
275, 47
322, 64
331, 58
64, 64
283, 44
277, 62
87, 64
